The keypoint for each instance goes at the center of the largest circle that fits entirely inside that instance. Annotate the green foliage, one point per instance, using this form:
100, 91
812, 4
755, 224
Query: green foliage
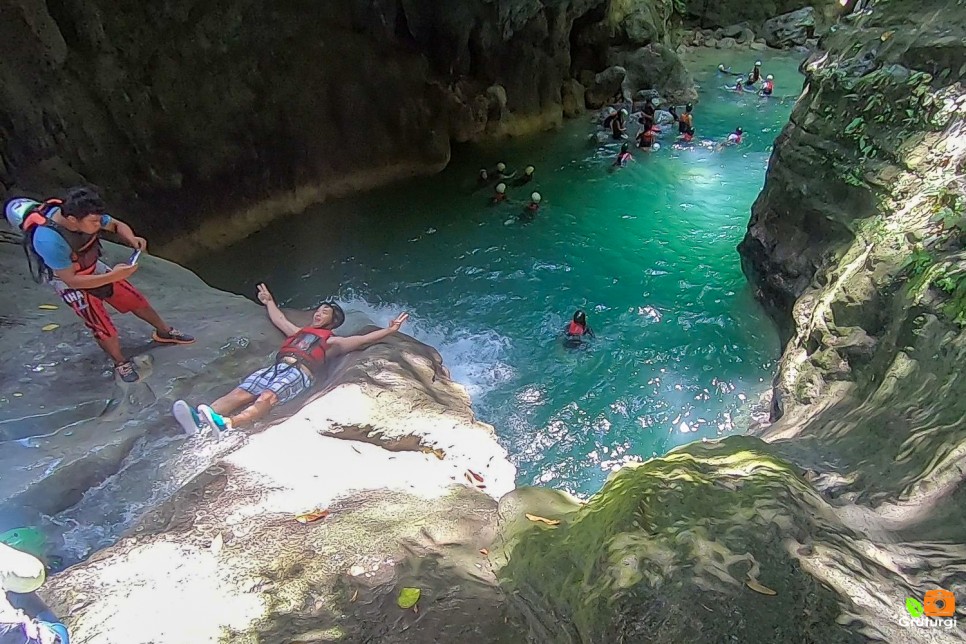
949, 211
919, 262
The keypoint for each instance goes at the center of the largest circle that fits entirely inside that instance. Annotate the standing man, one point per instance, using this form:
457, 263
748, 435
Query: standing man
297, 367
62, 237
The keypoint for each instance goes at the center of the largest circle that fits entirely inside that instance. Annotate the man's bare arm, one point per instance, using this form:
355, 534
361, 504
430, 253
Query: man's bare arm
274, 313
342, 346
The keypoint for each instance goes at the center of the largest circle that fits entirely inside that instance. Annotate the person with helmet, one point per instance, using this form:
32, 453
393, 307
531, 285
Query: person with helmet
623, 157
530, 210
499, 194
618, 124
63, 247
24, 618
768, 87
755, 75
647, 119
501, 174
577, 330
297, 366
686, 123
527, 176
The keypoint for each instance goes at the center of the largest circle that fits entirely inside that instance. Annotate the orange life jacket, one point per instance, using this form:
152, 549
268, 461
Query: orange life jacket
85, 249
307, 346
575, 329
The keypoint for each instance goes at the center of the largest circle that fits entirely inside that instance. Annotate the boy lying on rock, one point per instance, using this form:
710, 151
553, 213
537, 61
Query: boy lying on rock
297, 365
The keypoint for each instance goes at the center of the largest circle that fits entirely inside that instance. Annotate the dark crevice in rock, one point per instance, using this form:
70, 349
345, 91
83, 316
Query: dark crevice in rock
369, 434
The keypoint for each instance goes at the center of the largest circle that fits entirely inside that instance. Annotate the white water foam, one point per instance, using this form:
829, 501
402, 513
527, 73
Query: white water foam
476, 359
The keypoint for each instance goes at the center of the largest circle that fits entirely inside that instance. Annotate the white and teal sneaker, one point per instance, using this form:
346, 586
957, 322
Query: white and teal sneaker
191, 422
216, 421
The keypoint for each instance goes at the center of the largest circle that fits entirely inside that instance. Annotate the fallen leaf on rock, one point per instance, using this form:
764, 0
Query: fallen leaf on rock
355, 596
484, 551
314, 515
47, 307
480, 487
217, 543
886, 36
468, 477
758, 588
50, 327
537, 519
354, 449
408, 597
475, 475
435, 451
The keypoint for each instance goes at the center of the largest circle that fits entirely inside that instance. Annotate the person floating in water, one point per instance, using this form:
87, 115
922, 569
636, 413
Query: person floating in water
577, 330
527, 176
297, 367
739, 86
768, 87
755, 75
531, 209
733, 139
501, 173
623, 156
686, 124
483, 178
499, 194
727, 70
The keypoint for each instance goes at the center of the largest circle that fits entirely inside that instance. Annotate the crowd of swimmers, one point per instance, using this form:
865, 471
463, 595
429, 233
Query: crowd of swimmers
615, 118
505, 179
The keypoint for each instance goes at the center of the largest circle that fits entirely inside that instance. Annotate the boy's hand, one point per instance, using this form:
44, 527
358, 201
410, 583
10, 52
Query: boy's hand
398, 322
264, 295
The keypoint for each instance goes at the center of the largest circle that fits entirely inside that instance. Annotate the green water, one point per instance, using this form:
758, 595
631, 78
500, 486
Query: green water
648, 251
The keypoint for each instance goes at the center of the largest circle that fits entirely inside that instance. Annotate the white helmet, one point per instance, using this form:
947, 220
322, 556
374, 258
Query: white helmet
757, 63
17, 209
500, 167
501, 188
529, 170
769, 77
536, 197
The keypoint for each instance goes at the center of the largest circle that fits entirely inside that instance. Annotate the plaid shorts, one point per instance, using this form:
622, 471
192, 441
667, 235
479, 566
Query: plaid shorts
284, 380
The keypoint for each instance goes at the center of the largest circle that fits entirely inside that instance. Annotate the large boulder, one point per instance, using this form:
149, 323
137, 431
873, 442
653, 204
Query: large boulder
607, 85
573, 97
790, 29
655, 67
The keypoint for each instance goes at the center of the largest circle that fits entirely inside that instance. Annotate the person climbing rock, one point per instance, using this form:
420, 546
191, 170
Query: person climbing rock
768, 87
499, 194
577, 330
63, 246
296, 369
526, 178
755, 75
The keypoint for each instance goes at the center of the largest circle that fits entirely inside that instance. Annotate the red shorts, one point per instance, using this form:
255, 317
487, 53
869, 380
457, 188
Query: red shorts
91, 309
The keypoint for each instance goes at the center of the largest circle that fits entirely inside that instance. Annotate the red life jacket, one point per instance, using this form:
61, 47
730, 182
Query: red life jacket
575, 329
307, 346
85, 249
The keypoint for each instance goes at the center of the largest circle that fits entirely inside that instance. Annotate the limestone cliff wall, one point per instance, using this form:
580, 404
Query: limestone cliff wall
182, 111
852, 499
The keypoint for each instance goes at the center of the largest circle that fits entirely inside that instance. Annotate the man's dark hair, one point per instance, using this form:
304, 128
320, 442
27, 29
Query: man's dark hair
82, 201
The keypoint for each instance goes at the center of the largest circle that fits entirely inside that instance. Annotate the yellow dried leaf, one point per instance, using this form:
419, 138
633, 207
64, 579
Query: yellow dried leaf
314, 515
50, 327
758, 588
537, 519
47, 307
886, 36
484, 551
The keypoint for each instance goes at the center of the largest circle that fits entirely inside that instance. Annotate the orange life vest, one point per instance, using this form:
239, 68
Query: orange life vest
307, 346
85, 249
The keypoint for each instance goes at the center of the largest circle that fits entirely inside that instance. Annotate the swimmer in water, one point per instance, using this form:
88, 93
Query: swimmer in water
739, 86
727, 70
733, 139
531, 209
768, 87
618, 124
755, 75
577, 330
499, 194
501, 173
526, 178
483, 178
623, 156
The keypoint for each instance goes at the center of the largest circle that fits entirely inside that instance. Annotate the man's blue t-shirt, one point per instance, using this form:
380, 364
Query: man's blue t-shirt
54, 249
